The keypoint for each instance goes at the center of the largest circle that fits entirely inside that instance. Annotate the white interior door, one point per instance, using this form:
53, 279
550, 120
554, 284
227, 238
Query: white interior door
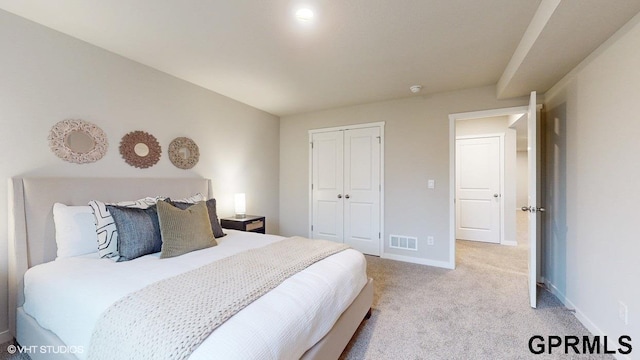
478, 189
362, 190
327, 185
532, 128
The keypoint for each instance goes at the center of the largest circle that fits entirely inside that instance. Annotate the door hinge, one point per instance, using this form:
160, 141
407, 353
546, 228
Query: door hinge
311, 227
311, 144
378, 235
379, 139
311, 186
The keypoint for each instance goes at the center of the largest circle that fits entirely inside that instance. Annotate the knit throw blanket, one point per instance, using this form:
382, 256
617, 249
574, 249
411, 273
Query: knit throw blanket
171, 318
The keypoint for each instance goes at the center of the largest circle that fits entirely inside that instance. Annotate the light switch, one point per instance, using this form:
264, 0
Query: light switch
431, 184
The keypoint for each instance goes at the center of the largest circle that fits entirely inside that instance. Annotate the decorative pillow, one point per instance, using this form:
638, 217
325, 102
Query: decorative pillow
106, 229
75, 230
192, 199
213, 215
138, 231
184, 231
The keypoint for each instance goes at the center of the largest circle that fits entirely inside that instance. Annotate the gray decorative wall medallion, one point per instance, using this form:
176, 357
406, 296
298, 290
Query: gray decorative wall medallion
184, 153
78, 141
140, 149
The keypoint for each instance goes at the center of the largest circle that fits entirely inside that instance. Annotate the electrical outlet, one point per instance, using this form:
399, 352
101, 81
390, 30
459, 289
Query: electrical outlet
429, 240
623, 312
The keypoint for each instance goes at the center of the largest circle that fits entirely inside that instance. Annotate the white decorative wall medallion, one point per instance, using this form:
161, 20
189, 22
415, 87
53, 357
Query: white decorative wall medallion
78, 141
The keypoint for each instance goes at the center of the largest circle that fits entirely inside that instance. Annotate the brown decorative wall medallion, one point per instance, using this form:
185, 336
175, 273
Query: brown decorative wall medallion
140, 149
184, 153
78, 141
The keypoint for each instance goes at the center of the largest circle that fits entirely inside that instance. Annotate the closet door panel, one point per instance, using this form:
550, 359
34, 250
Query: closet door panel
327, 186
362, 189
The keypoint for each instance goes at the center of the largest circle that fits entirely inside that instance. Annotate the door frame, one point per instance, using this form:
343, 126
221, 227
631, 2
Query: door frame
452, 165
380, 125
501, 176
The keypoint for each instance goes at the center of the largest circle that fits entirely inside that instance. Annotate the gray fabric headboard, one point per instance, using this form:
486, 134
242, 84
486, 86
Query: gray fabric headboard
31, 230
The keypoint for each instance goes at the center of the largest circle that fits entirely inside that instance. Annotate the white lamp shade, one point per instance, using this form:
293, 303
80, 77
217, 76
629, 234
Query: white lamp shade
241, 205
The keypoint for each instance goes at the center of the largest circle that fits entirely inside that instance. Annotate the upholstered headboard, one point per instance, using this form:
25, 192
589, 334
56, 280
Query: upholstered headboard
31, 229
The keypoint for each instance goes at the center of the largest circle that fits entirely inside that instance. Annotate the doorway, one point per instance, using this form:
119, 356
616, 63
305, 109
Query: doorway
530, 113
485, 177
489, 123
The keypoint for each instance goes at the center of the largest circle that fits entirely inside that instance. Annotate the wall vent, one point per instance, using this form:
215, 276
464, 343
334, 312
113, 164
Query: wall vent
403, 242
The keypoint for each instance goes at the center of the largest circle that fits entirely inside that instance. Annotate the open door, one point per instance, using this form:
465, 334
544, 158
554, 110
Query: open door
532, 136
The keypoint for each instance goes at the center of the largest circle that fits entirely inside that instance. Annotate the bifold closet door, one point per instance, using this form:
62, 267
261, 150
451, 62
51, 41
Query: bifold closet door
346, 188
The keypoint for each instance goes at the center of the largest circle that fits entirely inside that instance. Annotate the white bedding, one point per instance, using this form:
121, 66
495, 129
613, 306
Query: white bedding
68, 295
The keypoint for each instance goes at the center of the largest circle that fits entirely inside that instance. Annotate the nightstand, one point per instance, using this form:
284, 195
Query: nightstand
250, 223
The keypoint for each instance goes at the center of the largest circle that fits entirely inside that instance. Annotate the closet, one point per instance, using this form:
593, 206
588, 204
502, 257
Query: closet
346, 188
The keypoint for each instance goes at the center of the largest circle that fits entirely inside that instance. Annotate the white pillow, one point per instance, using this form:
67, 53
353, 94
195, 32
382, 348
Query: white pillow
75, 230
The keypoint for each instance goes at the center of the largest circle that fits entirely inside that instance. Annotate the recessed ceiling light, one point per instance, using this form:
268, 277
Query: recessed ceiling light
304, 14
415, 88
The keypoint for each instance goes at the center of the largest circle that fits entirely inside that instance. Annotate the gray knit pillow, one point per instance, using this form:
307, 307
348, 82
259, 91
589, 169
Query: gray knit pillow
184, 231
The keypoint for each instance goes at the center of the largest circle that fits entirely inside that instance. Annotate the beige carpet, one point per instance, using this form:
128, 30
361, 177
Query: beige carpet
478, 311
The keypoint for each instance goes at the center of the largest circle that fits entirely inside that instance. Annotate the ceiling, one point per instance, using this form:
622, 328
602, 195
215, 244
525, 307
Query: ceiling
352, 52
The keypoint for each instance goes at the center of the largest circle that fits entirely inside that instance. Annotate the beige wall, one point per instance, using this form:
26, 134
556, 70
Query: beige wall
592, 244
488, 125
48, 77
416, 149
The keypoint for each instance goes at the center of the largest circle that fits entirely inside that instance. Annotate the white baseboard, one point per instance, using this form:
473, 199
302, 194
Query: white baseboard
509, 243
421, 261
590, 325
5, 336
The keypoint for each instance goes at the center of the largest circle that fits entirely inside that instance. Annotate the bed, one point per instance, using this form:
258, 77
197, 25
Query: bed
32, 243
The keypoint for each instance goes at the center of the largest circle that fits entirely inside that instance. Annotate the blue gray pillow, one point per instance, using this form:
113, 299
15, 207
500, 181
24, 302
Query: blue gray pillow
138, 231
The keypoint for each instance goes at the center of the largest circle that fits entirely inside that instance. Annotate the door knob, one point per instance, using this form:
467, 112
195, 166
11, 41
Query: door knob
339, 196
532, 209
347, 196
495, 195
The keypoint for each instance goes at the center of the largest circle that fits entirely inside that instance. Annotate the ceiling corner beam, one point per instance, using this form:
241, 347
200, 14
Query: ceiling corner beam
536, 26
